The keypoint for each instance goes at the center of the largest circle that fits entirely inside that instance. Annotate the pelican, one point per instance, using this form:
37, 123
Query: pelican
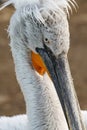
39, 35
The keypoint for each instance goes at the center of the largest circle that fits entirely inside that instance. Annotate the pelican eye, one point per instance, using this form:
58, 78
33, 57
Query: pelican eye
46, 40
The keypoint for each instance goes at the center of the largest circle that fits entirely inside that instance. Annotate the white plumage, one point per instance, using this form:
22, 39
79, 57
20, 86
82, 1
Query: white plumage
20, 122
84, 115
43, 107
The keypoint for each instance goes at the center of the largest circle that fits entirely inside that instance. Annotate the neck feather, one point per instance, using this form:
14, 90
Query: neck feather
42, 103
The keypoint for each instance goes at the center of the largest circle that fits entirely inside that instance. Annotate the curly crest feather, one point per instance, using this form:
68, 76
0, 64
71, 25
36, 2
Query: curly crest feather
57, 3
36, 7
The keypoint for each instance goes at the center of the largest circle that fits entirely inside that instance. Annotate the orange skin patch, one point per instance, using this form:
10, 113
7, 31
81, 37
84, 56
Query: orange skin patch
38, 63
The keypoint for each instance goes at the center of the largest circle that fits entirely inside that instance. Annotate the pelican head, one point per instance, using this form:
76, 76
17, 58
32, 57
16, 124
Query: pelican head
45, 32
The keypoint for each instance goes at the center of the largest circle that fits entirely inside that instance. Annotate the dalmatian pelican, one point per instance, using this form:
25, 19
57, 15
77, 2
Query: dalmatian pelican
39, 41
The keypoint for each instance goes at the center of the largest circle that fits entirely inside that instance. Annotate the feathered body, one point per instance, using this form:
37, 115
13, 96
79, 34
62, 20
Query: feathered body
20, 122
32, 20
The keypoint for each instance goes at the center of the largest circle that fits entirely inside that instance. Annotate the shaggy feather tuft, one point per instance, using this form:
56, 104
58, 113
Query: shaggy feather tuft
47, 3
39, 7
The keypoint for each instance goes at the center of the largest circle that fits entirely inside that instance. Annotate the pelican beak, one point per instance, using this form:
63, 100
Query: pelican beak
59, 71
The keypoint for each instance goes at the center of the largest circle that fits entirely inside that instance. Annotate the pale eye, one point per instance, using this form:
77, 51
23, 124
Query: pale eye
46, 40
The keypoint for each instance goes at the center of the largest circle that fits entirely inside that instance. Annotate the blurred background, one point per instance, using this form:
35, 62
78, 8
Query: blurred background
11, 98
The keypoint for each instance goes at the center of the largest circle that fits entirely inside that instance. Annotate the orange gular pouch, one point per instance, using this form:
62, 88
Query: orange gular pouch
38, 63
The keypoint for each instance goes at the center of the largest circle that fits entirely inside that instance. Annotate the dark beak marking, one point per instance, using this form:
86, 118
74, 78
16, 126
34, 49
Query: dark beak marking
57, 68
